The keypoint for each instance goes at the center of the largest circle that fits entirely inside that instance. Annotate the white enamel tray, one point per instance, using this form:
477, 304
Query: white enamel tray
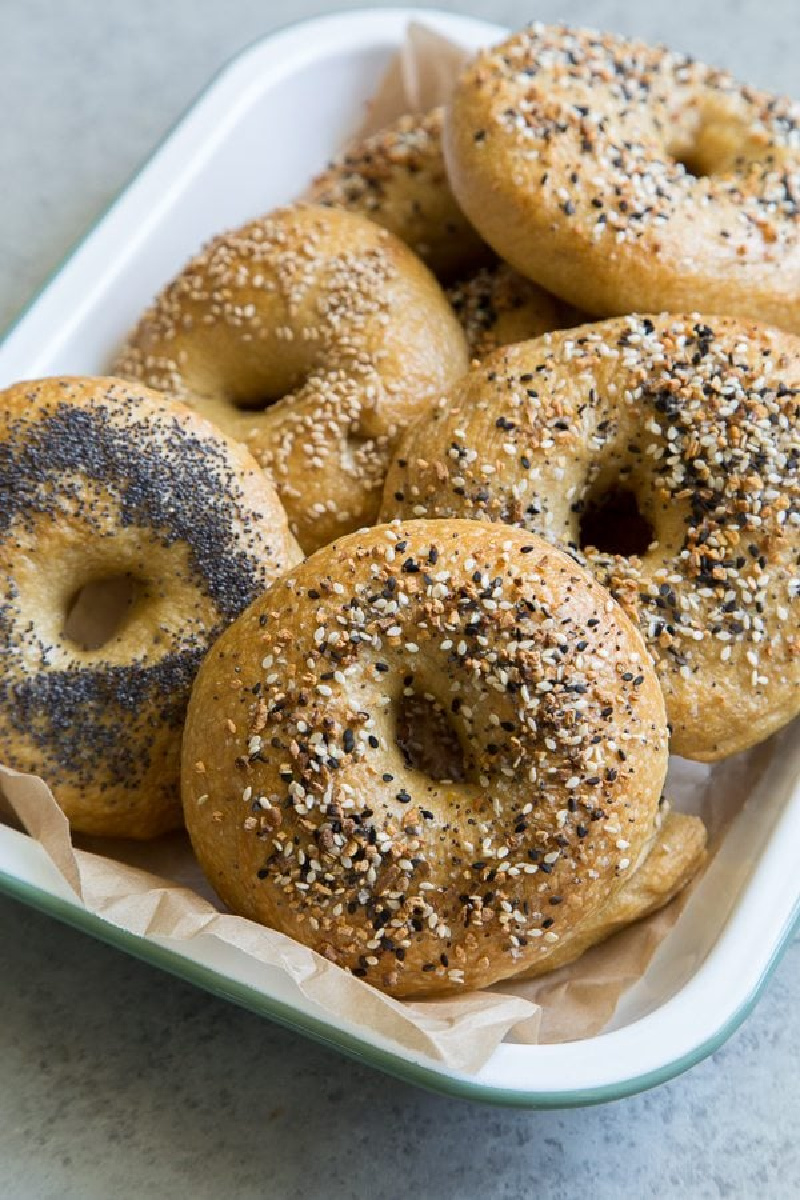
252, 140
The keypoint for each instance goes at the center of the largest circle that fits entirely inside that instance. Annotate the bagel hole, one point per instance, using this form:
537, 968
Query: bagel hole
255, 404
692, 163
427, 739
99, 609
260, 398
613, 523
355, 444
689, 143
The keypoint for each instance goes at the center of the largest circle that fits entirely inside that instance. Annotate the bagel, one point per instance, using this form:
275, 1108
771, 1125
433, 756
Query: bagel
103, 482
497, 306
662, 452
397, 178
306, 814
314, 337
627, 178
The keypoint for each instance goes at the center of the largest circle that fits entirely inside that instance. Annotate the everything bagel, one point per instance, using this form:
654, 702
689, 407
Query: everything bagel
397, 178
663, 453
626, 178
306, 814
497, 306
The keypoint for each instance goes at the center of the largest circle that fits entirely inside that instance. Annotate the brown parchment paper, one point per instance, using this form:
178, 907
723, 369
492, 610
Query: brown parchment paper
156, 890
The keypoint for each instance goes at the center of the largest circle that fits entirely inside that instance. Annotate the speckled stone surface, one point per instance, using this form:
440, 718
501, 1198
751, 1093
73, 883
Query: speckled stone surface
118, 1081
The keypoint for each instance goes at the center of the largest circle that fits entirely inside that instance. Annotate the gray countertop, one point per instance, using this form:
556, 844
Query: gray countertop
116, 1080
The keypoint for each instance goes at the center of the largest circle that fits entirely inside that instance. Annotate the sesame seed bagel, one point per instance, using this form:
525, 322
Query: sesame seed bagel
397, 178
314, 337
104, 485
307, 815
626, 178
663, 453
497, 306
